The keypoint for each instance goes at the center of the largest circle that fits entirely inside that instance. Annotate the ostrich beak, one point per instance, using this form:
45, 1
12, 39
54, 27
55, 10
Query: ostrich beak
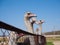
32, 15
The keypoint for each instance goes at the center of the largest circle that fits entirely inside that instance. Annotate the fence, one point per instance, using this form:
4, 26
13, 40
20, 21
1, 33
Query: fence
10, 35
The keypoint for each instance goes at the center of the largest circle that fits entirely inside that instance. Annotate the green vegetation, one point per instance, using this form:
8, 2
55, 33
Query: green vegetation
50, 40
49, 43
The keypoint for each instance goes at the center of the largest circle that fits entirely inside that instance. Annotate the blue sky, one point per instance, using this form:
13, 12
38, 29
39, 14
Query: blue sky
12, 12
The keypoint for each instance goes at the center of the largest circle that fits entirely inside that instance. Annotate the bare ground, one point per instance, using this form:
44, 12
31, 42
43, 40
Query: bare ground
56, 42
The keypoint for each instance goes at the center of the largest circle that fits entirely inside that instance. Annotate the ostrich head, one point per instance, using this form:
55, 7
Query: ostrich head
29, 15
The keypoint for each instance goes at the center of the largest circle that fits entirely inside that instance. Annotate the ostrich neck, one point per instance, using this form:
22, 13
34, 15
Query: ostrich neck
29, 29
28, 25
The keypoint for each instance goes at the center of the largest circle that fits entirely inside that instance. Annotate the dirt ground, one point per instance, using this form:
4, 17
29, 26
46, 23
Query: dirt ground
56, 42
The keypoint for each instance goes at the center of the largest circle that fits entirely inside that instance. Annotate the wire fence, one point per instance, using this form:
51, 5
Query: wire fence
10, 35
4, 36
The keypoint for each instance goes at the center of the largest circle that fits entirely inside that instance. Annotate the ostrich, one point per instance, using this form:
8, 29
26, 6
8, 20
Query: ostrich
27, 21
12, 38
29, 25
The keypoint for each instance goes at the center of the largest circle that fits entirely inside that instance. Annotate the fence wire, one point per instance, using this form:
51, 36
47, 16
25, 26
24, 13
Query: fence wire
8, 37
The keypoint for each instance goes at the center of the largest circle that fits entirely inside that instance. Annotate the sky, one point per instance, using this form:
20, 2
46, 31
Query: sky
12, 12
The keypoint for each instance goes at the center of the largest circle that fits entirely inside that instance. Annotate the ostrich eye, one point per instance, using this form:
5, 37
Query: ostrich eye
28, 13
